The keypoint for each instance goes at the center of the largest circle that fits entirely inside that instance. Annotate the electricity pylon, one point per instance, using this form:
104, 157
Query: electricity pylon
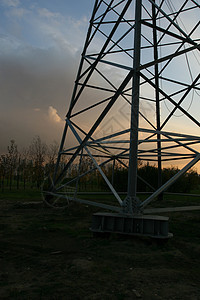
136, 97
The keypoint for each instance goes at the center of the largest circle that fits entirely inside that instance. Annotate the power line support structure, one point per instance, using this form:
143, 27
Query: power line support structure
138, 69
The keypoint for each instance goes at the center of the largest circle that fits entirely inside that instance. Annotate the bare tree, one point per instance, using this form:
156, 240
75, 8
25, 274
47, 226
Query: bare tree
52, 152
37, 153
12, 160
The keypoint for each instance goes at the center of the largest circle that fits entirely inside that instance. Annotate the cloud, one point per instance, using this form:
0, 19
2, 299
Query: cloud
33, 82
53, 115
18, 12
10, 3
44, 12
42, 27
39, 56
8, 45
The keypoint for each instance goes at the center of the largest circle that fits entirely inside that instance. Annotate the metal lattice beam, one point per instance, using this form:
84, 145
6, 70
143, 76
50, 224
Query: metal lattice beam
137, 54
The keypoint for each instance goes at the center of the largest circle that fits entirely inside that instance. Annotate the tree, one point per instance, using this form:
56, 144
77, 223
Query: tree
51, 155
11, 161
37, 153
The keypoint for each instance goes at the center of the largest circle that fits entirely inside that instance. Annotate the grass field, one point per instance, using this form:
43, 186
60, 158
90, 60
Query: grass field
51, 254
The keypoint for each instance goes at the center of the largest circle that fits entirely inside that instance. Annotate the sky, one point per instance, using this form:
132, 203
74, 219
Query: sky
40, 46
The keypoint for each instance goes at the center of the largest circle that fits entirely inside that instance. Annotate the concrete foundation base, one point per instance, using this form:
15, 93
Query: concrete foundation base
138, 225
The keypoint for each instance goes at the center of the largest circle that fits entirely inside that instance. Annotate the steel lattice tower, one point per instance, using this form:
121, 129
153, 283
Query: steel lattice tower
137, 82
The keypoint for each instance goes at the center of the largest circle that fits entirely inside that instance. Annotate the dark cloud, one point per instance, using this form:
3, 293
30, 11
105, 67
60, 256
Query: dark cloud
32, 80
39, 56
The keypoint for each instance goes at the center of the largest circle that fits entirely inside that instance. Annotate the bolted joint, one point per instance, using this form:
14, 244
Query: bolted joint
132, 205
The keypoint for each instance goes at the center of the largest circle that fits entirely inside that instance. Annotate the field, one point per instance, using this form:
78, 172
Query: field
51, 254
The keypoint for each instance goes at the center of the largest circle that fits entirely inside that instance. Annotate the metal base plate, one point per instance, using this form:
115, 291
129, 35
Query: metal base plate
138, 225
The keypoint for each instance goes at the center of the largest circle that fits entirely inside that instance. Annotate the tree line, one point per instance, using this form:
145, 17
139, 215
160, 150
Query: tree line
148, 179
28, 169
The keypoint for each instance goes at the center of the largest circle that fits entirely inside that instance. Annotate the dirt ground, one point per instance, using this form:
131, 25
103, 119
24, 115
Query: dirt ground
48, 254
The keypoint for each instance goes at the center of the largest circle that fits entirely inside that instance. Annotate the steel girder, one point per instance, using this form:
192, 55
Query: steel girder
138, 68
